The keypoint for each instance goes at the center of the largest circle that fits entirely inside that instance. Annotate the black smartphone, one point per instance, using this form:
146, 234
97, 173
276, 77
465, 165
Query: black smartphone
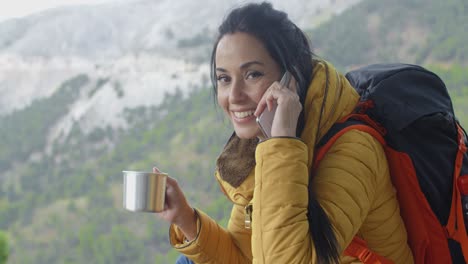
265, 120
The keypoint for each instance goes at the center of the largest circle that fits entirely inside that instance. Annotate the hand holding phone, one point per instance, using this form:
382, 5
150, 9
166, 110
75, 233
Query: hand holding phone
265, 120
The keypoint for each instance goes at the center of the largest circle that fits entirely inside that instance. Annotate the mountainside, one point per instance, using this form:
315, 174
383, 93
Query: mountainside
112, 30
147, 46
430, 33
65, 205
72, 120
90, 91
412, 31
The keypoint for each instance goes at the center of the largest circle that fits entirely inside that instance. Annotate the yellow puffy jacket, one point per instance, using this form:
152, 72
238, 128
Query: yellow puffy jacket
352, 184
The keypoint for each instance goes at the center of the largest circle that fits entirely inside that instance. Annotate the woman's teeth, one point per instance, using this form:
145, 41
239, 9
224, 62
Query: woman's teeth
243, 114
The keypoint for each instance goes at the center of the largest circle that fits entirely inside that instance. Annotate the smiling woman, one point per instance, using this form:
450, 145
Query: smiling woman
244, 71
284, 209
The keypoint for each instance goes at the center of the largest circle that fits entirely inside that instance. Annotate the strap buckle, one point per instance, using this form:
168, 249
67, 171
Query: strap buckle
365, 255
368, 256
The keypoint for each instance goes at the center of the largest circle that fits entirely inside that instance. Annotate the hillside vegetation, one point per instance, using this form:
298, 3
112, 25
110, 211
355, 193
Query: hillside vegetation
413, 31
66, 205
430, 33
62, 202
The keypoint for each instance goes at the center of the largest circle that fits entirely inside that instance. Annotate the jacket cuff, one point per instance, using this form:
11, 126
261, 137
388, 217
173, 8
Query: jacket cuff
177, 237
197, 245
281, 137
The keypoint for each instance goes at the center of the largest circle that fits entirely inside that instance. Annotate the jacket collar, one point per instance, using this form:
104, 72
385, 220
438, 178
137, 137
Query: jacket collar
329, 89
237, 160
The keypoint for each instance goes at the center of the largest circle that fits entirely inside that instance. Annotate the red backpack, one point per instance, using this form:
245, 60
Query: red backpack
409, 111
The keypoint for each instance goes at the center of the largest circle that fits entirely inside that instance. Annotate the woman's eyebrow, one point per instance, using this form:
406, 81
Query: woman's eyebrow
247, 64
243, 65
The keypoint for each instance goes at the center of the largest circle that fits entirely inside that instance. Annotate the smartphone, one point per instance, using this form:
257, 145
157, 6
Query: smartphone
265, 120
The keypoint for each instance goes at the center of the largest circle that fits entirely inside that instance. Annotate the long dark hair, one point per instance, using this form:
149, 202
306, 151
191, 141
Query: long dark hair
289, 47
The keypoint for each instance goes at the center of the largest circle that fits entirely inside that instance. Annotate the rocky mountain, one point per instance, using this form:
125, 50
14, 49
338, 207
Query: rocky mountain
143, 47
90, 91
134, 26
412, 31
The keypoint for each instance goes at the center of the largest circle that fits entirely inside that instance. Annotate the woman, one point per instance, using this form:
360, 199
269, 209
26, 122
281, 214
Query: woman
267, 179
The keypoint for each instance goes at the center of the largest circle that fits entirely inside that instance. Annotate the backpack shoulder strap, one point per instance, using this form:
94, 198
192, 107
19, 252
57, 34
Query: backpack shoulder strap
358, 247
456, 225
358, 121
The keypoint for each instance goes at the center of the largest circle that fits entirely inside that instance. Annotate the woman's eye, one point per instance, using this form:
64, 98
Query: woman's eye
254, 74
223, 79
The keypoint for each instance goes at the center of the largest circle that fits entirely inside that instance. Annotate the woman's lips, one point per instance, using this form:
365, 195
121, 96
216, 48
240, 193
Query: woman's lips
243, 116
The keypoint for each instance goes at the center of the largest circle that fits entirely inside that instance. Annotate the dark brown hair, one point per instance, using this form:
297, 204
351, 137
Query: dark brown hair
289, 47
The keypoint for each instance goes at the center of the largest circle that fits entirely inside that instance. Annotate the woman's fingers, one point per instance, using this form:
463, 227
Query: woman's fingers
292, 86
175, 203
260, 106
273, 93
174, 195
175, 200
288, 108
267, 100
172, 182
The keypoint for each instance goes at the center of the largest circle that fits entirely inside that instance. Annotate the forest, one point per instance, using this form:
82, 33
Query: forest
61, 202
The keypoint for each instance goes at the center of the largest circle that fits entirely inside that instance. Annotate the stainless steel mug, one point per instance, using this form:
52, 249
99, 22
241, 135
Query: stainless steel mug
144, 191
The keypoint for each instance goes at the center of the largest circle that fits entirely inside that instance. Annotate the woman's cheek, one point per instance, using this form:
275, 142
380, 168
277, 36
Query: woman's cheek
223, 101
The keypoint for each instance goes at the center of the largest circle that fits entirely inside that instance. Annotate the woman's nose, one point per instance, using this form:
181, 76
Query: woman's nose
237, 93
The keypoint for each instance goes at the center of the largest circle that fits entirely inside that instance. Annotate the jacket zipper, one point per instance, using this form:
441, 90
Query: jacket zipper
248, 216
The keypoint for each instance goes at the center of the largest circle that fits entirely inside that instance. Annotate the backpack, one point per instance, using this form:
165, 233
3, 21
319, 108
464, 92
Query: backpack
409, 111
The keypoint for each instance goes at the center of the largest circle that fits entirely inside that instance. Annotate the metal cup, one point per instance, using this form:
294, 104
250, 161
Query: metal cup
144, 191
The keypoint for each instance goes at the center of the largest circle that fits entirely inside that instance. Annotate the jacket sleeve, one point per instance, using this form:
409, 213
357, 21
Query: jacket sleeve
215, 244
344, 184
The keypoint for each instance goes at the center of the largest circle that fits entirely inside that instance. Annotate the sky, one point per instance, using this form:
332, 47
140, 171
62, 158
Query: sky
20, 8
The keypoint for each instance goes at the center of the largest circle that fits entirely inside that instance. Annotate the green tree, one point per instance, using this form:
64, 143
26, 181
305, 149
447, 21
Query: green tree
3, 248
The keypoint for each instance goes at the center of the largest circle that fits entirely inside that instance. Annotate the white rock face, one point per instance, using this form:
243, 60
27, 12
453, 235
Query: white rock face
132, 44
23, 79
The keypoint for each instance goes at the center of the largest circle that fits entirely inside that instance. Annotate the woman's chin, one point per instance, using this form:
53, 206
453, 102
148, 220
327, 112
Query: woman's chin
244, 133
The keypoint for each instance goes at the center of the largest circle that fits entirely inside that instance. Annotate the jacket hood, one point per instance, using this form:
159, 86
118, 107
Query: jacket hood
329, 98
331, 94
